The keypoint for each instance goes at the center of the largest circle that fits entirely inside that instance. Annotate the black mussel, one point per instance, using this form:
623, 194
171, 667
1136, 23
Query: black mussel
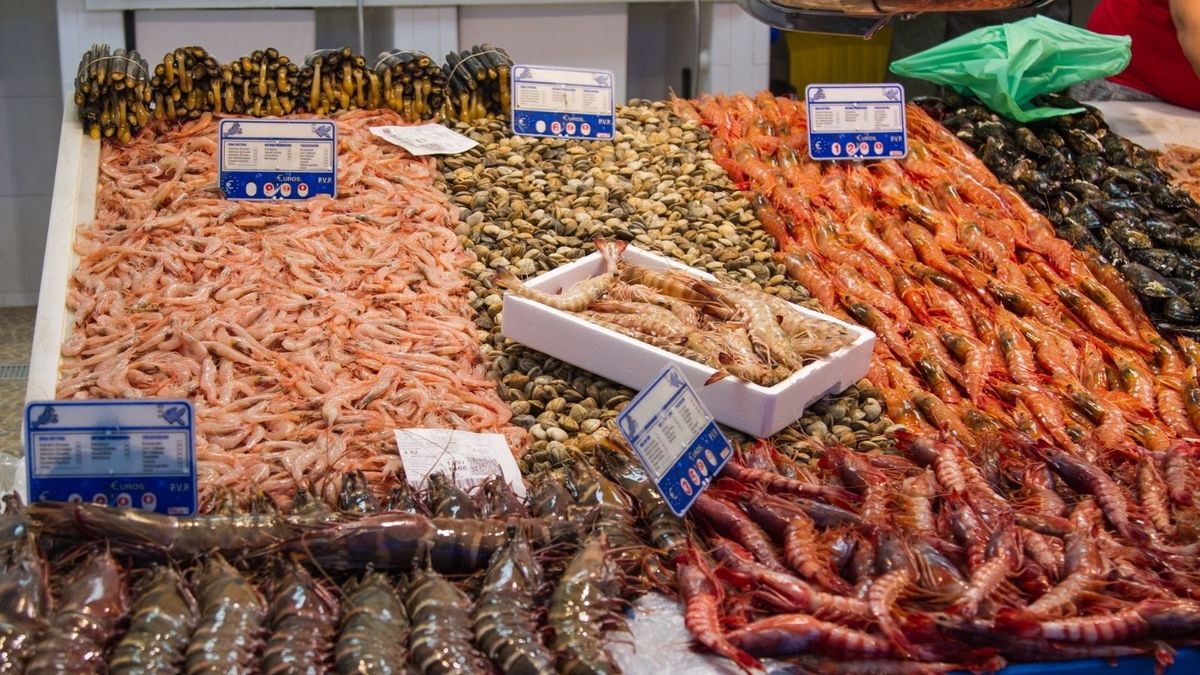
1115, 189
1091, 123
1189, 217
1169, 198
1128, 236
1167, 327
1112, 251
936, 107
1079, 236
953, 98
1053, 212
1114, 149
1146, 282
1041, 184
996, 156
1162, 232
1162, 261
1051, 138
1085, 215
1021, 170
1090, 167
1191, 243
958, 123
1084, 190
1188, 268
978, 113
1179, 309
1028, 142
1118, 209
1140, 158
1057, 166
1083, 143
1062, 202
1186, 287
1130, 176
1059, 99
990, 129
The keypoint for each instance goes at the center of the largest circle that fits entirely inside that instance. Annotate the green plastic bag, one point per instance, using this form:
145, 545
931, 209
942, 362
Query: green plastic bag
1006, 66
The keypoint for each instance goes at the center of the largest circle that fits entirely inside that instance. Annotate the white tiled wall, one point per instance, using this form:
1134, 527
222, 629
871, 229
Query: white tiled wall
30, 111
739, 51
581, 36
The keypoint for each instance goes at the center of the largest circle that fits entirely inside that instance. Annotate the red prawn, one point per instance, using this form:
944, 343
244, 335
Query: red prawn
703, 596
792, 634
730, 520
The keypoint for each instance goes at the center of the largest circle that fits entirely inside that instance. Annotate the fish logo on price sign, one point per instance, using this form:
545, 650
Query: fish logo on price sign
675, 437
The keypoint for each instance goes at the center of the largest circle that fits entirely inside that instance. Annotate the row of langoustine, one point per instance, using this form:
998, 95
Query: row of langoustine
574, 549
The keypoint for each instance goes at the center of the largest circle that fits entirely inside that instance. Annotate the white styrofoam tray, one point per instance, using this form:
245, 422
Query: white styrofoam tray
745, 406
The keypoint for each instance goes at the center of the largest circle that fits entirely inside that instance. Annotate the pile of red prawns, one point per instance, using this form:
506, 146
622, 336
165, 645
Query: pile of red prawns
1062, 495
940, 558
304, 332
986, 320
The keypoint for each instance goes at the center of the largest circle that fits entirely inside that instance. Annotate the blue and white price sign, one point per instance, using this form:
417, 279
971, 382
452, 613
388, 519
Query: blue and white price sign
675, 437
129, 454
277, 159
856, 121
563, 102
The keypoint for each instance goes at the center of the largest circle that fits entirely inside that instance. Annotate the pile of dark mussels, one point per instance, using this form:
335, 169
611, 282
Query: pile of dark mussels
1103, 193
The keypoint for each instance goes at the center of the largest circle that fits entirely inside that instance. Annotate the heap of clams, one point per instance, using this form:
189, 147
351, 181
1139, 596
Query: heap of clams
1103, 193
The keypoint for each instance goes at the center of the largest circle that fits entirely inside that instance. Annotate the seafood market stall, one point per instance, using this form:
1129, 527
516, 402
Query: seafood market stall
1002, 477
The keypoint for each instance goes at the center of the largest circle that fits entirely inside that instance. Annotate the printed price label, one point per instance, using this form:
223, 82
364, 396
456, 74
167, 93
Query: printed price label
675, 437
856, 121
277, 159
563, 102
467, 458
130, 454
426, 139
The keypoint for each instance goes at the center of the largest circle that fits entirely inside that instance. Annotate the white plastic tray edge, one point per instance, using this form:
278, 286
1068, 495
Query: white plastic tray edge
748, 407
74, 202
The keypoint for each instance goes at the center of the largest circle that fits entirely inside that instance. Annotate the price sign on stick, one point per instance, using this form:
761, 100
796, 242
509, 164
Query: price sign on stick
675, 437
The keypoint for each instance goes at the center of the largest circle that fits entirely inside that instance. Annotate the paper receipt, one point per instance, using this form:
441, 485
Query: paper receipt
468, 458
426, 139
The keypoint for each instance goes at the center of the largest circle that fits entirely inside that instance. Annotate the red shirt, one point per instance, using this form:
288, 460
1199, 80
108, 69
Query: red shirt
1158, 66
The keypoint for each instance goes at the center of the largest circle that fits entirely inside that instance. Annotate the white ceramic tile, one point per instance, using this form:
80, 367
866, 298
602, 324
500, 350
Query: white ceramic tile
28, 48
23, 222
721, 32
28, 144
591, 36
227, 34
718, 80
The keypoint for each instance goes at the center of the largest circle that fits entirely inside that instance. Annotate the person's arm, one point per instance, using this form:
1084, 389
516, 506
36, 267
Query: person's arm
1186, 15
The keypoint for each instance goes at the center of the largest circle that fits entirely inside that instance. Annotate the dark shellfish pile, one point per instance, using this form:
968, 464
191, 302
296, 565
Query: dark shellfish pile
1102, 192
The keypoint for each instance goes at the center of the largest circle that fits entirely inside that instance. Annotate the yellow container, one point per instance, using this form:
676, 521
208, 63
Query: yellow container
816, 58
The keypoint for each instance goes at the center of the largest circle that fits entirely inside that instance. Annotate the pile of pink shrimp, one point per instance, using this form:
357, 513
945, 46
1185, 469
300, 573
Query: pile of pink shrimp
303, 332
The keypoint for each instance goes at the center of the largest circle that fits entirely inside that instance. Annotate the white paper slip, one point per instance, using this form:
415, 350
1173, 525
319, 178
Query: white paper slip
426, 139
467, 457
